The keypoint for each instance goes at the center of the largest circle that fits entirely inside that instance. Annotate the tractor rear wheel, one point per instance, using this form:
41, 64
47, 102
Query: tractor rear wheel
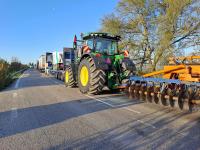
69, 78
90, 79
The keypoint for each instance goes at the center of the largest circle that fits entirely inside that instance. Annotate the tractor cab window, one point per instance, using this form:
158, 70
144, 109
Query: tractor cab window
106, 46
90, 43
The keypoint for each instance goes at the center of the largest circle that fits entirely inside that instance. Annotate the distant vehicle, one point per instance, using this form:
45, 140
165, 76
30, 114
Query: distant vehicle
49, 62
42, 63
57, 60
31, 67
67, 58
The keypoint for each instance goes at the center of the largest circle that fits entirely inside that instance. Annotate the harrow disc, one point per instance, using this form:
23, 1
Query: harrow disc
149, 97
132, 90
171, 95
182, 102
184, 99
156, 94
129, 92
136, 92
142, 92
192, 95
162, 98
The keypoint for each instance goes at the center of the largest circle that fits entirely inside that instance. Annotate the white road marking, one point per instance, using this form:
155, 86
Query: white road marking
14, 95
18, 81
132, 110
120, 105
14, 113
100, 101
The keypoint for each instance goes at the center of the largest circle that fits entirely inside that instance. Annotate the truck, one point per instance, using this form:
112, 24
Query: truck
67, 57
42, 63
57, 64
57, 60
49, 62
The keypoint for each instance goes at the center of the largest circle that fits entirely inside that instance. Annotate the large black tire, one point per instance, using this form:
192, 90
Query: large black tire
62, 78
71, 81
97, 77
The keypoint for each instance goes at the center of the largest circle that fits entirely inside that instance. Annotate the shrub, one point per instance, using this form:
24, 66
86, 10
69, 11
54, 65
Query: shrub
4, 73
7, 70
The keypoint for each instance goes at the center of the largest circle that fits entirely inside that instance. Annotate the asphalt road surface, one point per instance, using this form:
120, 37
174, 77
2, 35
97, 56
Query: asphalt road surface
39, 112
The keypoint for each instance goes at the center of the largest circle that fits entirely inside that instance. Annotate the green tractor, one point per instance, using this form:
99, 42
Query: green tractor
96, 62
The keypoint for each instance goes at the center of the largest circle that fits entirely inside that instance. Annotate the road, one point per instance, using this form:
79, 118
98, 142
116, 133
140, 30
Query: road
39, 112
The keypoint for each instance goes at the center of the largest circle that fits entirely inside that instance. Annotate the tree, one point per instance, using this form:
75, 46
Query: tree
15, 64
3, 72
134, 22
178, 28
154, 29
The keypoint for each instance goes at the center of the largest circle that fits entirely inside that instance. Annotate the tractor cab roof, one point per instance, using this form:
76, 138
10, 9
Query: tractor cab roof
100, 34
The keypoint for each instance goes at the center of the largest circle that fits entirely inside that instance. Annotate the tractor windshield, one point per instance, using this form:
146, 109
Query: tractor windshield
106, 46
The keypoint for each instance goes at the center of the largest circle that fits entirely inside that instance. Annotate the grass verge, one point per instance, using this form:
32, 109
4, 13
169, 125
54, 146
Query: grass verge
10, 79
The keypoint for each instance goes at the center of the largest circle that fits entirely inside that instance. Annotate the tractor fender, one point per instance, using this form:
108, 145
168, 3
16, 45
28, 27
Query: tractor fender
99, 62
127, 64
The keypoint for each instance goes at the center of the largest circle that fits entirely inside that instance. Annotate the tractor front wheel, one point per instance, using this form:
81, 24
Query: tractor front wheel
90, 79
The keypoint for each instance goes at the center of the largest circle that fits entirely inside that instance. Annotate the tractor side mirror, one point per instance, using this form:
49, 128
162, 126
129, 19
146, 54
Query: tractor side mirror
75, 42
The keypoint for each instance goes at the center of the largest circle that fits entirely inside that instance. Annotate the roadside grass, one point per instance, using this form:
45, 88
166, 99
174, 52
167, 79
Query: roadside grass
10, 78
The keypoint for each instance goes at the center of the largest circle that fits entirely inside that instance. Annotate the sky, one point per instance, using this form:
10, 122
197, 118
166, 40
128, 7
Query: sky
29, 28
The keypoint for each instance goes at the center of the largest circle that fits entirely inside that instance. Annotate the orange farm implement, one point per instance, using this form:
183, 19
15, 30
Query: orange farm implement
179, 85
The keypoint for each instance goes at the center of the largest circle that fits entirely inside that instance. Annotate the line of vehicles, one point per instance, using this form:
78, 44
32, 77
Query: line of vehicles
95, 61
55, 63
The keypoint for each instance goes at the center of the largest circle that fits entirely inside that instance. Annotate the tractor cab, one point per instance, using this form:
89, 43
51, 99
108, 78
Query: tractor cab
102, 43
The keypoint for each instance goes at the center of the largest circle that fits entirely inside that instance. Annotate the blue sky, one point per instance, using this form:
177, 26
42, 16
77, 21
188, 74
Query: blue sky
29, 28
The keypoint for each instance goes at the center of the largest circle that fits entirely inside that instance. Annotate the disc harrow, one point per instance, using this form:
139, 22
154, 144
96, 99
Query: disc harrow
167, 92
179, 86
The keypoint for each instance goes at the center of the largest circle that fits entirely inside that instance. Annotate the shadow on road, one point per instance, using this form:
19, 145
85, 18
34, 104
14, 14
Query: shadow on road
129, 135
25, 119
132, 135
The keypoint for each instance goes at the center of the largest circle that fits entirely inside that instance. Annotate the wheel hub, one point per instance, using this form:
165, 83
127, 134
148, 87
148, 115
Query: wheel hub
84, 76
67, 77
